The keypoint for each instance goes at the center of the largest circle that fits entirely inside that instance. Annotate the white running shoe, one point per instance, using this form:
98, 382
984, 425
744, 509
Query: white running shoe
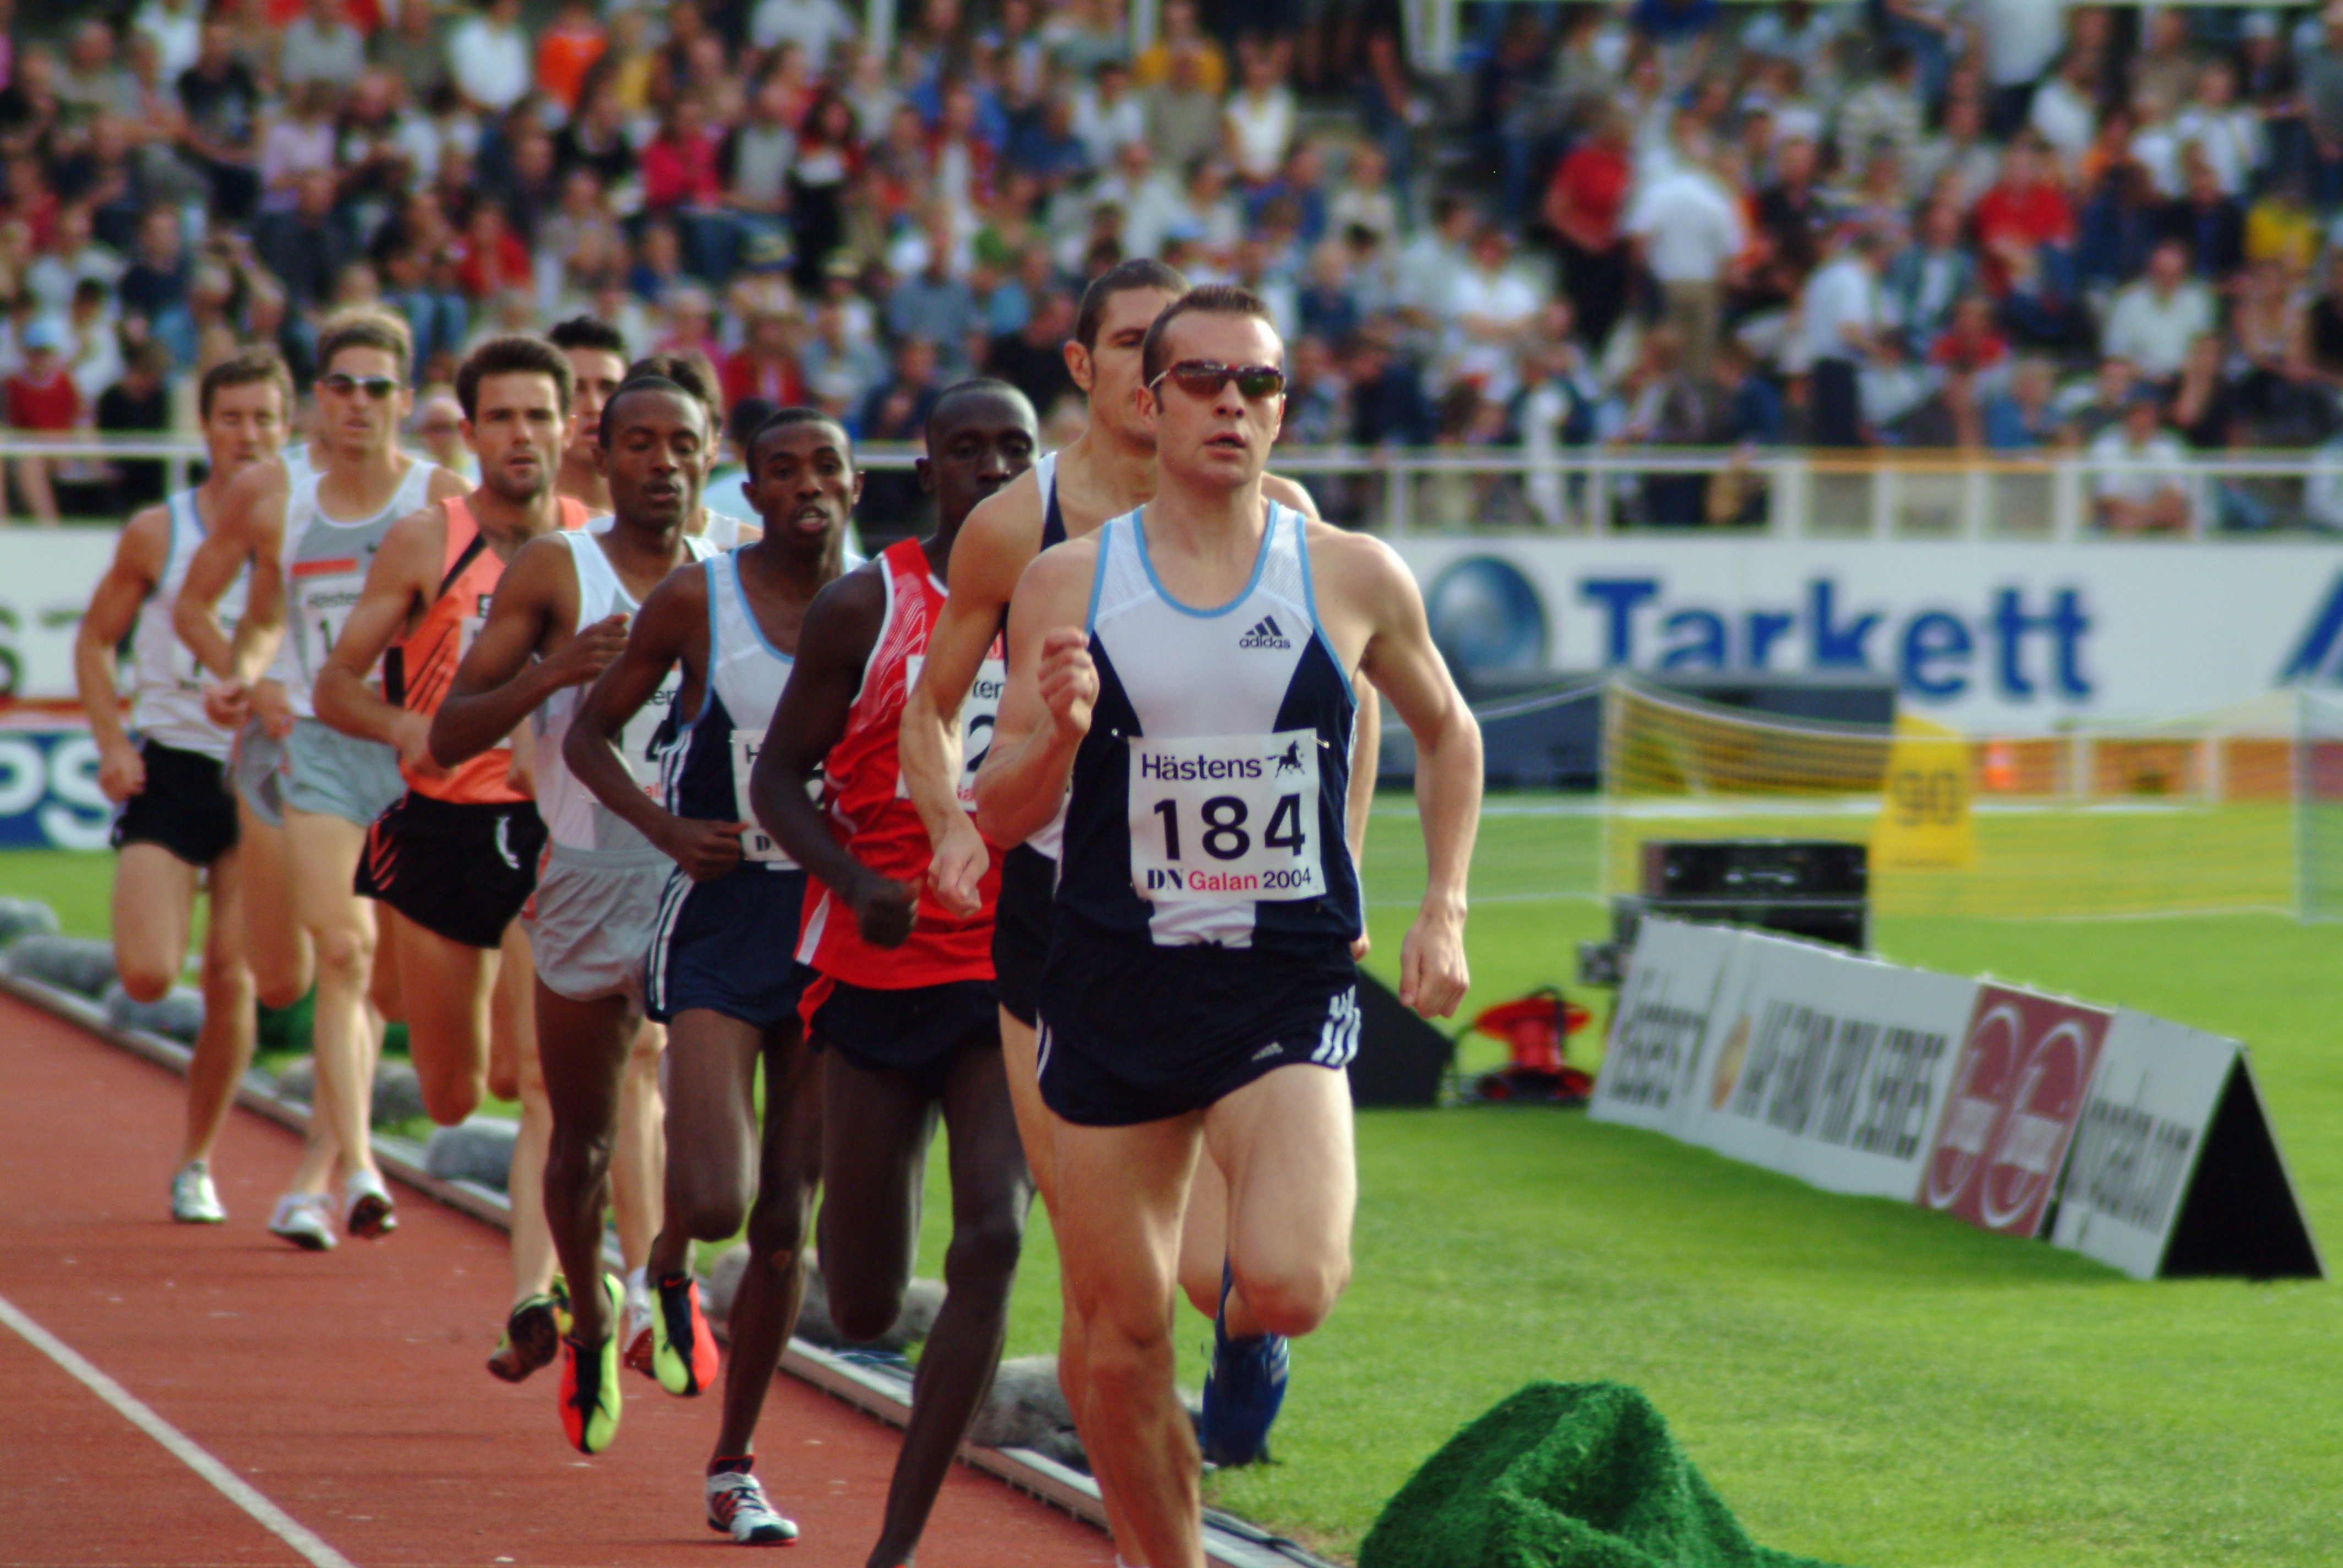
736, 1506
367, 1208
638, 1343
305, 1220
194, 1199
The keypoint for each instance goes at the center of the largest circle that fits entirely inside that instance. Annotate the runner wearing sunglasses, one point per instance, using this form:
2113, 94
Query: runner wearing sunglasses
1181, 683
308, 547
1109, 469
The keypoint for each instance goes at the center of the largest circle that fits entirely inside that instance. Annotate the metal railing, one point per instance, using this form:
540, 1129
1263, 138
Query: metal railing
1781, 492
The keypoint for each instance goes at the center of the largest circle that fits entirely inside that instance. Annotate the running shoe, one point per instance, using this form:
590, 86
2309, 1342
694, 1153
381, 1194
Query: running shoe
194, 1199
683, 1352
305, 1220
639, 1340
1243, 1391
532, 1338
589, 1381
736, 1506
368, 1210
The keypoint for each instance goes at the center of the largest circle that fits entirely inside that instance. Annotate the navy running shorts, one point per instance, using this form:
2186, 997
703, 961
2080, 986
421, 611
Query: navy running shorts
728, 945
1020, 929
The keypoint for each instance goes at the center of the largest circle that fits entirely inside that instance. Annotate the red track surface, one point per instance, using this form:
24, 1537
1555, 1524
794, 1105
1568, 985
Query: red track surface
347, 1387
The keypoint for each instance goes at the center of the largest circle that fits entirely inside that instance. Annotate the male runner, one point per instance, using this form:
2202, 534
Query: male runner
1188, 670
454, 859
308, 548
1106, 472
721, 530
598, 359
911, 1025
558, 617
720, 971
178, 820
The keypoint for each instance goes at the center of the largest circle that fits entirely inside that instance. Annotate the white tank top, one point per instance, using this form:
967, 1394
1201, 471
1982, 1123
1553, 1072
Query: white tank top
325, 561
721, 529
1049, 838
705, 774
166, 682
574, 816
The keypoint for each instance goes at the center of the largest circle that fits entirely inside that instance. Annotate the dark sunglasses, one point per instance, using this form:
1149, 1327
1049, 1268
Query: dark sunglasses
378, 388
1205, 378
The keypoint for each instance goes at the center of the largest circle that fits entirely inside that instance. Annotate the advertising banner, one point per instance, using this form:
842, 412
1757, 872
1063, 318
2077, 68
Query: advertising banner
1831, 1067
2025, 1065
2139, 1138
1660, 1023
49, 797
46, 577
2016, 637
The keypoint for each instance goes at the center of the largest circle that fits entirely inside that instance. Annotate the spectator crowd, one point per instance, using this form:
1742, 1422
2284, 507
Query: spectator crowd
2004, 225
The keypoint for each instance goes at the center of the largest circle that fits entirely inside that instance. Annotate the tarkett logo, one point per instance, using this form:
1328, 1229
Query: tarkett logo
2314, 657
2017, 1092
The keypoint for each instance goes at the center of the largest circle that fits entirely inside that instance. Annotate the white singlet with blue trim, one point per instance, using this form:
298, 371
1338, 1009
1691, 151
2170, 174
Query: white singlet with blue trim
166, 681
574, 815
705, 774
1049, 837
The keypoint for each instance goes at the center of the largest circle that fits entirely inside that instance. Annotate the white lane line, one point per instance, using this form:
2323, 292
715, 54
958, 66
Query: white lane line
232, 1486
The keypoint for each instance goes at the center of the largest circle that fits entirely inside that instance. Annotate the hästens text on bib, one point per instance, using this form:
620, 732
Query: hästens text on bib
1226, 817
977, 717
756, 844
324, 602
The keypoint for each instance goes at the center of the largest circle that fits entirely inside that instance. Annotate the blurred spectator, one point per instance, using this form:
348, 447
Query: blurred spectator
817, 27
2208, 223
439, 427
1178, 38
1033, 358
1365, 198
93, 343
2205, 409
92, 81
1430, 262
1840, 322
1888, 109
2140, 485
1928, 277
935, 305
1150, 199
1893, 394
40, 400
1390, 107
307, 245
2229, 133
155, 285
691, 328
1956, 164
321, 48
1108, 114
2098, 404
1690, 229
139, 404
175, 26
413, 52
1259, 121
1584, 204
2020, 417
1489, 311
71, 260
567, 50
298, 143
489, 57
2154, 320
1325, 306
1970, 342
1388, 408
596, 138
2167, 67
840, 370
1183, 113
764, 366
892, 506
2065, 109
2119, 226
221, 105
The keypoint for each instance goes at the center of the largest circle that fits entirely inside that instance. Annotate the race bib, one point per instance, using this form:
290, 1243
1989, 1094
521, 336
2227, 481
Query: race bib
1226, 818
978, 715
756, 844
648, 734
187, 671
323, 604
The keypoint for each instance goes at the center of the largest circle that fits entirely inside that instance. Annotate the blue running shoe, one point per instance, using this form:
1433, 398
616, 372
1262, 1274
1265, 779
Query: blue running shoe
1243, 1391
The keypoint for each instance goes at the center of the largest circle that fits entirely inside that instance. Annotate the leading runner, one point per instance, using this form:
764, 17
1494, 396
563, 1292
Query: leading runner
1188, 670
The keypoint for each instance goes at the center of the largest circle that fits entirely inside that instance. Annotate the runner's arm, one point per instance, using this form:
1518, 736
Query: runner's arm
840, 626
993, 545
139, 559
662, 632
250, 527
1046, 709
522, 655
404, 573
1404, 666
1366, 761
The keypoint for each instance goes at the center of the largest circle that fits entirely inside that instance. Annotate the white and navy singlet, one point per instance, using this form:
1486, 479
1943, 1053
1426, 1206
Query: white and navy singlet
167, 680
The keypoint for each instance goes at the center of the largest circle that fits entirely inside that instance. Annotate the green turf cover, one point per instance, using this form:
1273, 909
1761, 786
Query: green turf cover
1564, 1475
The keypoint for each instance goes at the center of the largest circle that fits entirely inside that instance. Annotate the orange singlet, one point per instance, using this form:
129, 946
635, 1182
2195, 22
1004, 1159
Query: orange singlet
417, 670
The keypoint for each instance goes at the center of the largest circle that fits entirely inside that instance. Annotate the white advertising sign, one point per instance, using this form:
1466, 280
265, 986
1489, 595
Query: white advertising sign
1829, 1067
2139, 1138
2007, 635
1659, 1024
46, 577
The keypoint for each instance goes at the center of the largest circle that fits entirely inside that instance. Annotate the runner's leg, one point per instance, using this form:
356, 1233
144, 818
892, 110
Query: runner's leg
446, 985
515, 1073
386, 991
711, 1135
639, 1163
1204, 1250
1121, 1191
153, 909
765, 1307
1285, 1143
990, 1193
323, 852
276, 945
224, 1044
582, 1051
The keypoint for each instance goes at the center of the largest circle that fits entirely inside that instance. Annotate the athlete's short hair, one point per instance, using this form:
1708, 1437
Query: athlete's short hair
588, 332
365, 328
975, 387
242, 368
516, 354
796, 414
1122, 277
690, 371
1213, 299
633, 385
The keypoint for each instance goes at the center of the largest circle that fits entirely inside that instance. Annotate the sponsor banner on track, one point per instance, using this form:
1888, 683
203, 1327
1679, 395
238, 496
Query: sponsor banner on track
2011, 637
2139, 1140
1829, 1067
2025, 1064
1651, 1061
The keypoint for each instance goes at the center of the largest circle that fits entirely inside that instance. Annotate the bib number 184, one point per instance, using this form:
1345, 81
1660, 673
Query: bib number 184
1226, 818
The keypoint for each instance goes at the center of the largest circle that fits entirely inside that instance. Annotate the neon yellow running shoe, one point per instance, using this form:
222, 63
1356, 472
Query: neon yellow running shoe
589, 1380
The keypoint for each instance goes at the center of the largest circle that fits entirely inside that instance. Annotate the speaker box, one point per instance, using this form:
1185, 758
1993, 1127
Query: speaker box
1401, 1058
1816, 890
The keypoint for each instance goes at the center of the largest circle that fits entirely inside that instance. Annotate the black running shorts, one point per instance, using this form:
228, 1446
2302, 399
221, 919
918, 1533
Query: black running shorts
1020, 929
186, 807
1133, 1032
460, 869
919, 1030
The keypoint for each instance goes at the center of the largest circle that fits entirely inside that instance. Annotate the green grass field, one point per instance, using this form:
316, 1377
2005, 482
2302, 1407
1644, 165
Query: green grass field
1862, 1382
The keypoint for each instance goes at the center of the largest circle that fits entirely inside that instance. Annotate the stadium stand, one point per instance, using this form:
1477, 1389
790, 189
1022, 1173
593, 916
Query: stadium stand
1985, 224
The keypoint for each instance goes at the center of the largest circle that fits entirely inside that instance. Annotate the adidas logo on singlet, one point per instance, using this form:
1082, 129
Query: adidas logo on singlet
1264, 634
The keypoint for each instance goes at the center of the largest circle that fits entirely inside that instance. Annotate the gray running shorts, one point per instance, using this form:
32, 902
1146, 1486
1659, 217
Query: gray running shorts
257, 772
591, 919
336, 774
